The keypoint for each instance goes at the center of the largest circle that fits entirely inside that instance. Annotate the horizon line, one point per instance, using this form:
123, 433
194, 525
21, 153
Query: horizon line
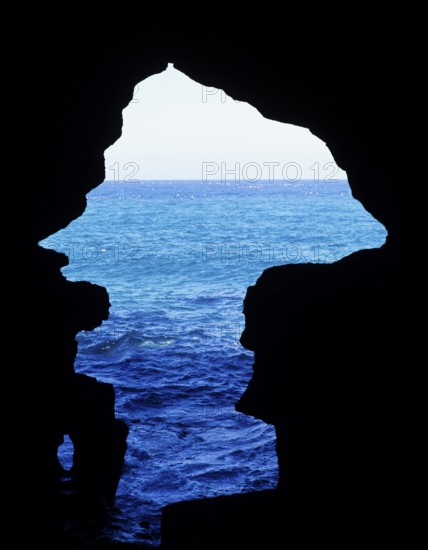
336, 180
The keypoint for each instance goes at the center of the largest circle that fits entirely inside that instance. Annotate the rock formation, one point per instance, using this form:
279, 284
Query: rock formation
330, 363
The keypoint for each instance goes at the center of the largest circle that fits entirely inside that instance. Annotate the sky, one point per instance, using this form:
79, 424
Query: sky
175, 128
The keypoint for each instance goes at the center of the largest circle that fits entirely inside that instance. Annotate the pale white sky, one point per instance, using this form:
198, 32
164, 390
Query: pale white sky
175, 128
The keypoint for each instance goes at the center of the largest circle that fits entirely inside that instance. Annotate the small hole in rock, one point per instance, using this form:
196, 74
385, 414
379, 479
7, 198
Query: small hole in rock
66, 453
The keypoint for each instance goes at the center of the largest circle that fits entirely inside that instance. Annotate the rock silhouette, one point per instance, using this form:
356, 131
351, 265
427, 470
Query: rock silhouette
329, 340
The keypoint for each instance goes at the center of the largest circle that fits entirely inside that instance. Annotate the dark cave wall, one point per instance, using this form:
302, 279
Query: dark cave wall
327, 351
326, 338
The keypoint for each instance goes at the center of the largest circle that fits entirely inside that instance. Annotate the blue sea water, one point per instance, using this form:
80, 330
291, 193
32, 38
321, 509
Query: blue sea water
176, 258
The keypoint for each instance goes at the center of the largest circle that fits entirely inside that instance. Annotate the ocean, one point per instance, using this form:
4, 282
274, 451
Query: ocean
176, 258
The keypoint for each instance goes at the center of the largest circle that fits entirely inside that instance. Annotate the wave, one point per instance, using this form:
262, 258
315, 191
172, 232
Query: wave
176, 258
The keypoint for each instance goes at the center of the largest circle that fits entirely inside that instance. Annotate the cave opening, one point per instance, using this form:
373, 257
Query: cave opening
176, 245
